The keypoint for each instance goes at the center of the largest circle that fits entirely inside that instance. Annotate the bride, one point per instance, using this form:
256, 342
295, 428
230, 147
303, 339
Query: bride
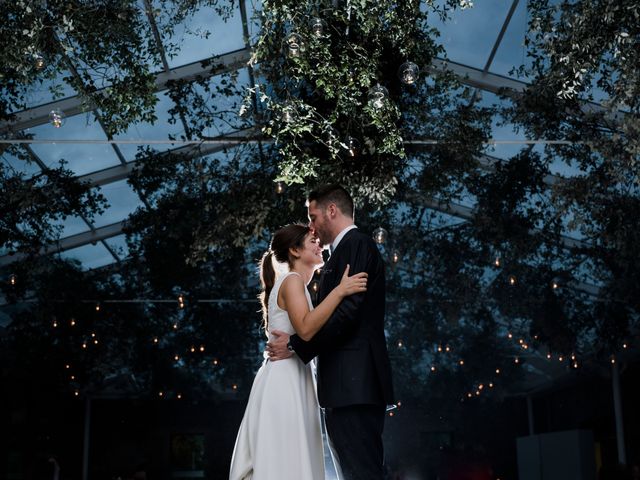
280, 437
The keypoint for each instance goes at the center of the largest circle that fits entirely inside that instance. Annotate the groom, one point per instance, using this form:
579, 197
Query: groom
354, 373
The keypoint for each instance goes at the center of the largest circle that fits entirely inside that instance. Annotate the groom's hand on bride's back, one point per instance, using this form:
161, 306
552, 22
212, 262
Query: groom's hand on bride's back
277, 346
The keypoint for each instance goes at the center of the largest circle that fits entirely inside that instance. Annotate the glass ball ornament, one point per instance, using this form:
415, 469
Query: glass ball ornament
289, 113
380, 235
408, 73
378, 95
295, 45
57, 118
318, 27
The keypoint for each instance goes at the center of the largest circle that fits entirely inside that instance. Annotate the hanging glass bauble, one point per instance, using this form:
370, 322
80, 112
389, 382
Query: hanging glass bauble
289, 113
295, 45
380, 235
408, 73
318, 27
378, 96
56, 118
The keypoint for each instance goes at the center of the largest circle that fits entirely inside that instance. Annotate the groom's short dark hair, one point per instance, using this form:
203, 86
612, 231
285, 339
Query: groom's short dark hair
333, 193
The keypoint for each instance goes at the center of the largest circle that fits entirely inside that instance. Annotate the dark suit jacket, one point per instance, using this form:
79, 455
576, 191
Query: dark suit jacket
353, 361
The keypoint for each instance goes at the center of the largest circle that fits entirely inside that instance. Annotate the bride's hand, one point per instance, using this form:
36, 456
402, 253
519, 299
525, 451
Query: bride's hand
354, 284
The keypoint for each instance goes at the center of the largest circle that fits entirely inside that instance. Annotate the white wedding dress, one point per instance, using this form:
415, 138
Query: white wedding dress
280, 436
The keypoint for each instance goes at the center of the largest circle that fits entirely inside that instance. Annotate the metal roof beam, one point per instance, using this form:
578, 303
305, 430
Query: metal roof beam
39, 115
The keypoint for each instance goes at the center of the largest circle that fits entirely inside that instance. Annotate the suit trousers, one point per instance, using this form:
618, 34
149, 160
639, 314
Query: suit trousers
355, 437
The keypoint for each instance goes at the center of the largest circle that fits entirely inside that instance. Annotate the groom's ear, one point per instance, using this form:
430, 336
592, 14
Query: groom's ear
332, 210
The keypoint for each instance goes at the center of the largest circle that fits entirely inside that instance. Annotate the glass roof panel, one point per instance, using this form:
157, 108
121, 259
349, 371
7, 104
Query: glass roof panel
16, 165
123, 200
119, 245
470, 34
81, 157
72, 226
160, 130
227, 106
511, 52
90, 256
196, 44
41, 92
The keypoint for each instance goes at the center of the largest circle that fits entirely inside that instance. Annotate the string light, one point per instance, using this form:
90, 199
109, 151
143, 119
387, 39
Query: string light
215, 361
193, 349
613, 359
497, 262
84, 344
395, 258
55, 324
280, 188
97, 307
179, 396
95, 341
176, 357
447, 348
161, 393
439, 348
315, 286
202, 348
561, 358
175, 326
235, 387
76, 393
433, 368
67, 366
461, 363
624, 345
155, 339
512, 280
510, 335
400, 344
497, 371
13, 279
72, 322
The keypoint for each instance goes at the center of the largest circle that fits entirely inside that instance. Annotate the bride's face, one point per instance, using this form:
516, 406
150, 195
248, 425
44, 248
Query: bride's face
311, 252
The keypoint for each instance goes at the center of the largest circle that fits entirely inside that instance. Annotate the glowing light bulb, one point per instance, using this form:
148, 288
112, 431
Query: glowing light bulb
433, 369
400, 344
72, 322
491, 385
461, 362
395, 258
175, 326
161, 394
295, 45
179, 396
202, 348
38, 61
439, 348
497, 262
176, 357
13, 279
56, 118
193, 349
352, 146
408, 73
512, 280
280, 188
497, 371
155, 339
84, 345
380, 235
318, 26
97, 307
516, 360
215, 361
510, 335
55, 324
76, 393
235, 387
378, 96
447, 348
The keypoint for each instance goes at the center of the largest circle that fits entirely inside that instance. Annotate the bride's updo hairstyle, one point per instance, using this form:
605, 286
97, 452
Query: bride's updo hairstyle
289, 236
